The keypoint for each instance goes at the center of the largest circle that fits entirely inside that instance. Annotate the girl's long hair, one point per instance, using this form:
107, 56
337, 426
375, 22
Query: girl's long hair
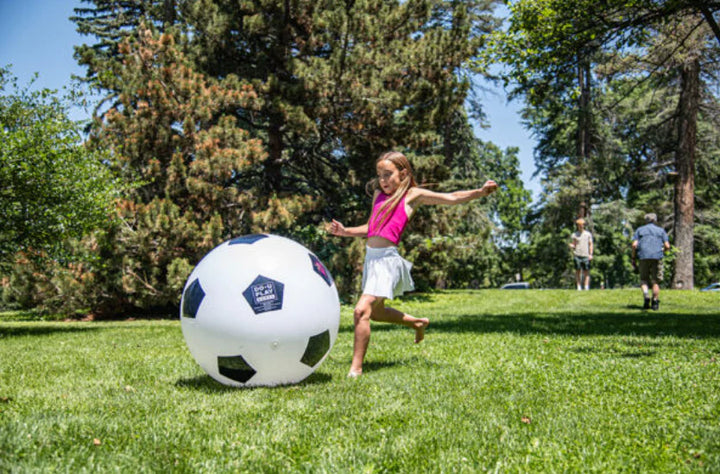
388, 207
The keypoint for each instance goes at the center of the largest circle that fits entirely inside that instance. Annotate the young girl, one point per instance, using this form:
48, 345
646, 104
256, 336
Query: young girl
386, 274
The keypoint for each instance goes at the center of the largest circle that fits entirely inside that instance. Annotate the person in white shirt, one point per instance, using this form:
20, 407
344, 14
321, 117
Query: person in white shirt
582, 245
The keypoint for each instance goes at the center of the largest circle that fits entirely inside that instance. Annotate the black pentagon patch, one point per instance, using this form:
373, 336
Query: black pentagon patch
317, 347
235, 368
264, 294
320, 269
247, 239
192, 298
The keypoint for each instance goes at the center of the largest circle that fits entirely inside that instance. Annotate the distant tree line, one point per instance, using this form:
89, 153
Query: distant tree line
223, 118
623, 97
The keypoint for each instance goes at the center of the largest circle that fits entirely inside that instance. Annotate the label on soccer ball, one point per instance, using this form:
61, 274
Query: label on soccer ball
320, 269
264, 294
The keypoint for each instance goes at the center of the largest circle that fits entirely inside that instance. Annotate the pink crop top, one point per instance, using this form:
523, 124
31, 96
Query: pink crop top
395, 224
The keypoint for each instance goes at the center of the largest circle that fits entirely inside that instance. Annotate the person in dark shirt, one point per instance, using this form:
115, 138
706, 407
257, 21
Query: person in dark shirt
650, 242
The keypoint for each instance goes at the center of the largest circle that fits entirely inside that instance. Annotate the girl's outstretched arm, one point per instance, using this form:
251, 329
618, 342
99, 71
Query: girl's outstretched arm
336, 228
425, 196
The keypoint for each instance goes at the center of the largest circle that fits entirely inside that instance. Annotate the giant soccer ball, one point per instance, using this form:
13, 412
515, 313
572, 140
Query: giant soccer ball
260, 310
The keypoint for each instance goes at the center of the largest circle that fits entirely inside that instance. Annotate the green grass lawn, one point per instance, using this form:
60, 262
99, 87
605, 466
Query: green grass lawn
506, 381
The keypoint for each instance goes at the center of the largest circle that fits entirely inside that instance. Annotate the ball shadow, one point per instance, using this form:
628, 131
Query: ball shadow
207, 384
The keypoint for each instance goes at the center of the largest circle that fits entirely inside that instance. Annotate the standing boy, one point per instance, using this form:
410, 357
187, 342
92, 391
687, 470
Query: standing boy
582, 245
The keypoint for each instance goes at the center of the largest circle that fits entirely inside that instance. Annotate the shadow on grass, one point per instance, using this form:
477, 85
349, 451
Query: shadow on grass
377, 365
634, 353
416, 297
573, 323
639, 322
204, 383
207, 384
9, 331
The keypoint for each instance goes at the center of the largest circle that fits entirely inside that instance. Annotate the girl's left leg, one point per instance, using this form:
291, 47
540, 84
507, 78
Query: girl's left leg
383, 313
362, 315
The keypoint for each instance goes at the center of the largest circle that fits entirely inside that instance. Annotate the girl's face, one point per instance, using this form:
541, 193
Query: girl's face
389, 176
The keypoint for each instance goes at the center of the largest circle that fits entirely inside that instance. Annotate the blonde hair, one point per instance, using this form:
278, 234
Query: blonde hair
401, 163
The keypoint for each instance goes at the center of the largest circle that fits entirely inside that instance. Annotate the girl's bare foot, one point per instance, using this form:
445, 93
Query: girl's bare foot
420, 326
354, 373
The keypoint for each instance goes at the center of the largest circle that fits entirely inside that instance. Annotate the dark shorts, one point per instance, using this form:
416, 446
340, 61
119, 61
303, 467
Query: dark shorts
582, 263
651, 271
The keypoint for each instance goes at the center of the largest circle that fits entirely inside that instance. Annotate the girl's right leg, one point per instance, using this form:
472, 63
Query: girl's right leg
391, 315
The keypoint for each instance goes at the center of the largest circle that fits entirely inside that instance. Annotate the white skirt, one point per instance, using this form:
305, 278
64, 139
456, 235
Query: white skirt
385, 273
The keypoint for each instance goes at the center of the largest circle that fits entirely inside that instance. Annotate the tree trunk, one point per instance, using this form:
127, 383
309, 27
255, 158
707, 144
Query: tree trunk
685, 167
276, 124
584, 119
584, 131
169, 13
711, 21
273, 173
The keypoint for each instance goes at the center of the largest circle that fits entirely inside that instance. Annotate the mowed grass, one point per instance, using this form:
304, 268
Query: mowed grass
506, 381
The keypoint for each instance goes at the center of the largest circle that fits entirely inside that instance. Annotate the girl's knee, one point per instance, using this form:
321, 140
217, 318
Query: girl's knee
362, 311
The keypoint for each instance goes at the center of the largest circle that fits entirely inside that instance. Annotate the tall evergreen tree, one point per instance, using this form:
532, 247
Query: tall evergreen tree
108, 23
174, 131
341, 82
340, 79
336, 83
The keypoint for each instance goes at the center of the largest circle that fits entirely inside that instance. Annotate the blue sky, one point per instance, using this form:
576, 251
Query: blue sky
37, 36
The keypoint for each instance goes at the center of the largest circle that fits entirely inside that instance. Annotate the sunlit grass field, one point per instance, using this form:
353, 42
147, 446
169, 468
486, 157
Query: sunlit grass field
506, 381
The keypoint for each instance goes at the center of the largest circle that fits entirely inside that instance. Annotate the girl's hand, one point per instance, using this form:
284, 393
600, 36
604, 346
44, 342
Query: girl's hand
336, 228
489, 187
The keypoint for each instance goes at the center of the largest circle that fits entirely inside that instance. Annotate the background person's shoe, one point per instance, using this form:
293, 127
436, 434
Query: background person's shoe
655, 305
646, 303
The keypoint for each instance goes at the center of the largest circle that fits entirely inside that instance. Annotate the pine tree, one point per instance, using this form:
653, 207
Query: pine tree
109, 22
336, 84
174, 133
340, 81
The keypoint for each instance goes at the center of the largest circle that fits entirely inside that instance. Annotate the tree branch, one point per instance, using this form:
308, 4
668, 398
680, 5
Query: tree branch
711, 20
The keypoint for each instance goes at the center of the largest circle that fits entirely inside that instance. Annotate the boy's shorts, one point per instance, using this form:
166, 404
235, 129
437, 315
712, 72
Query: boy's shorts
651, 271
582, 263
